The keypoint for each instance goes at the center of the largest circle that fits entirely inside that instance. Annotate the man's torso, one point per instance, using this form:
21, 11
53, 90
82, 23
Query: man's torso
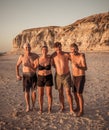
28, 60
76, 59
61, 62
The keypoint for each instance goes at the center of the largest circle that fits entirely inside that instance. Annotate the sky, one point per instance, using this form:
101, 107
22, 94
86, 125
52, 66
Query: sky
18, 15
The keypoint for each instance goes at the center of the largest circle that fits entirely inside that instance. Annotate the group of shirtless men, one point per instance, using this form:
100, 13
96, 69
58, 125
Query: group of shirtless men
45, 70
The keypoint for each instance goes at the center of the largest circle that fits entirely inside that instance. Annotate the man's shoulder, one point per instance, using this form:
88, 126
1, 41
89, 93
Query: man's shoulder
53, 54
21, 56
34, 55
49, 55
79, 55
71, 54
66, 53
82, 54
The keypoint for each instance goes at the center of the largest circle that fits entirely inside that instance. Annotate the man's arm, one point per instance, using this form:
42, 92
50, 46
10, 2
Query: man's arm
17, 68
69, 56
35, 63
53, 63
35, 56
52, 59
83, 63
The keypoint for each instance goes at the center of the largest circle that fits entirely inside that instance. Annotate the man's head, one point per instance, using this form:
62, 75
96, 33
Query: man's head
74, 48
58, 46
26, 47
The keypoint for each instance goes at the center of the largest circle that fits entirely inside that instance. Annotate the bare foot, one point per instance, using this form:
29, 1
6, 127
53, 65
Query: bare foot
40, 112
79, 114
76, 110
33, 108
73, 113
61, 109
49, 110
27, 109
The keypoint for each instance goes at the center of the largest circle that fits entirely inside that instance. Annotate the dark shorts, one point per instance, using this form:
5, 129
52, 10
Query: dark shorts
29, 81
45, 80
79, 82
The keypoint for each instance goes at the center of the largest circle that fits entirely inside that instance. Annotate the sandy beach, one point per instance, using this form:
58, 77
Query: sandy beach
96, 96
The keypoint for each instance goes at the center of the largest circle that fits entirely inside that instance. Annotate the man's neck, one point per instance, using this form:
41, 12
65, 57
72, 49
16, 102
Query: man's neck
59, 52
76, 53
27, 53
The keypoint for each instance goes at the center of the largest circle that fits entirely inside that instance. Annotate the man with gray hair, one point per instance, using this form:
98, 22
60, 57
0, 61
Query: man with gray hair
79, 66
29, 75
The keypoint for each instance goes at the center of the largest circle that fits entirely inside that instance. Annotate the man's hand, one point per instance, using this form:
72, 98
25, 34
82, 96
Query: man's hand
19, 77
77, 66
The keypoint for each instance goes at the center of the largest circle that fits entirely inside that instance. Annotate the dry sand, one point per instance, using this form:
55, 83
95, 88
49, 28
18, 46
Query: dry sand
96, 96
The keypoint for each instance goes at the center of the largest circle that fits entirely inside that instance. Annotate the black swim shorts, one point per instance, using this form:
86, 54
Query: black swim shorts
45, 80
79, 82
29, 81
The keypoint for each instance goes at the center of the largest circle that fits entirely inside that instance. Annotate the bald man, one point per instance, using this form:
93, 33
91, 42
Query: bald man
29, 75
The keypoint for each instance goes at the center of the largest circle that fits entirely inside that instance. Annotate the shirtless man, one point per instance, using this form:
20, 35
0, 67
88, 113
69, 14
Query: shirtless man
29, 75
62, 77
78, 70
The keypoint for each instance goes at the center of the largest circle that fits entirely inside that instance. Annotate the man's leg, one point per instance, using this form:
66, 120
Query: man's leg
70, 99
27, 99
61, 98
81, 104
33, 98
77, 102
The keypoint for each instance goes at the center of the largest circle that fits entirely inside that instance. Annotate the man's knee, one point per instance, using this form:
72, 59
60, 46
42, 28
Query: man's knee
68, 91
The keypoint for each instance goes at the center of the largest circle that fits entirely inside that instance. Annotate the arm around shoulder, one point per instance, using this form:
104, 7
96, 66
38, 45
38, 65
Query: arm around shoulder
52, 59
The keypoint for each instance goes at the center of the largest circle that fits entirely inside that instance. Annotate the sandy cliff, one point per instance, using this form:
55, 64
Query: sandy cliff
91, 33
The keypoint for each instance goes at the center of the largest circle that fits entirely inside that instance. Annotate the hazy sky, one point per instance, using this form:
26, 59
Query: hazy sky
18, 15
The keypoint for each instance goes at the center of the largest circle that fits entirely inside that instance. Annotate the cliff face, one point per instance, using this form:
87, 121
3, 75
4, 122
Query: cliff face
90, 33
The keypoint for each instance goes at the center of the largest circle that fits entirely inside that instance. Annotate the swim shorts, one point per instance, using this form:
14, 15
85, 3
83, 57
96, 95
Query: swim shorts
63, 81
79, 82
45, 80
29, 81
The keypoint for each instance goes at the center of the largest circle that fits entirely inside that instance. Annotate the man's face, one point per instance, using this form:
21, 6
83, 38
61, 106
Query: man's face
58, 49
73, 50
27, 48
